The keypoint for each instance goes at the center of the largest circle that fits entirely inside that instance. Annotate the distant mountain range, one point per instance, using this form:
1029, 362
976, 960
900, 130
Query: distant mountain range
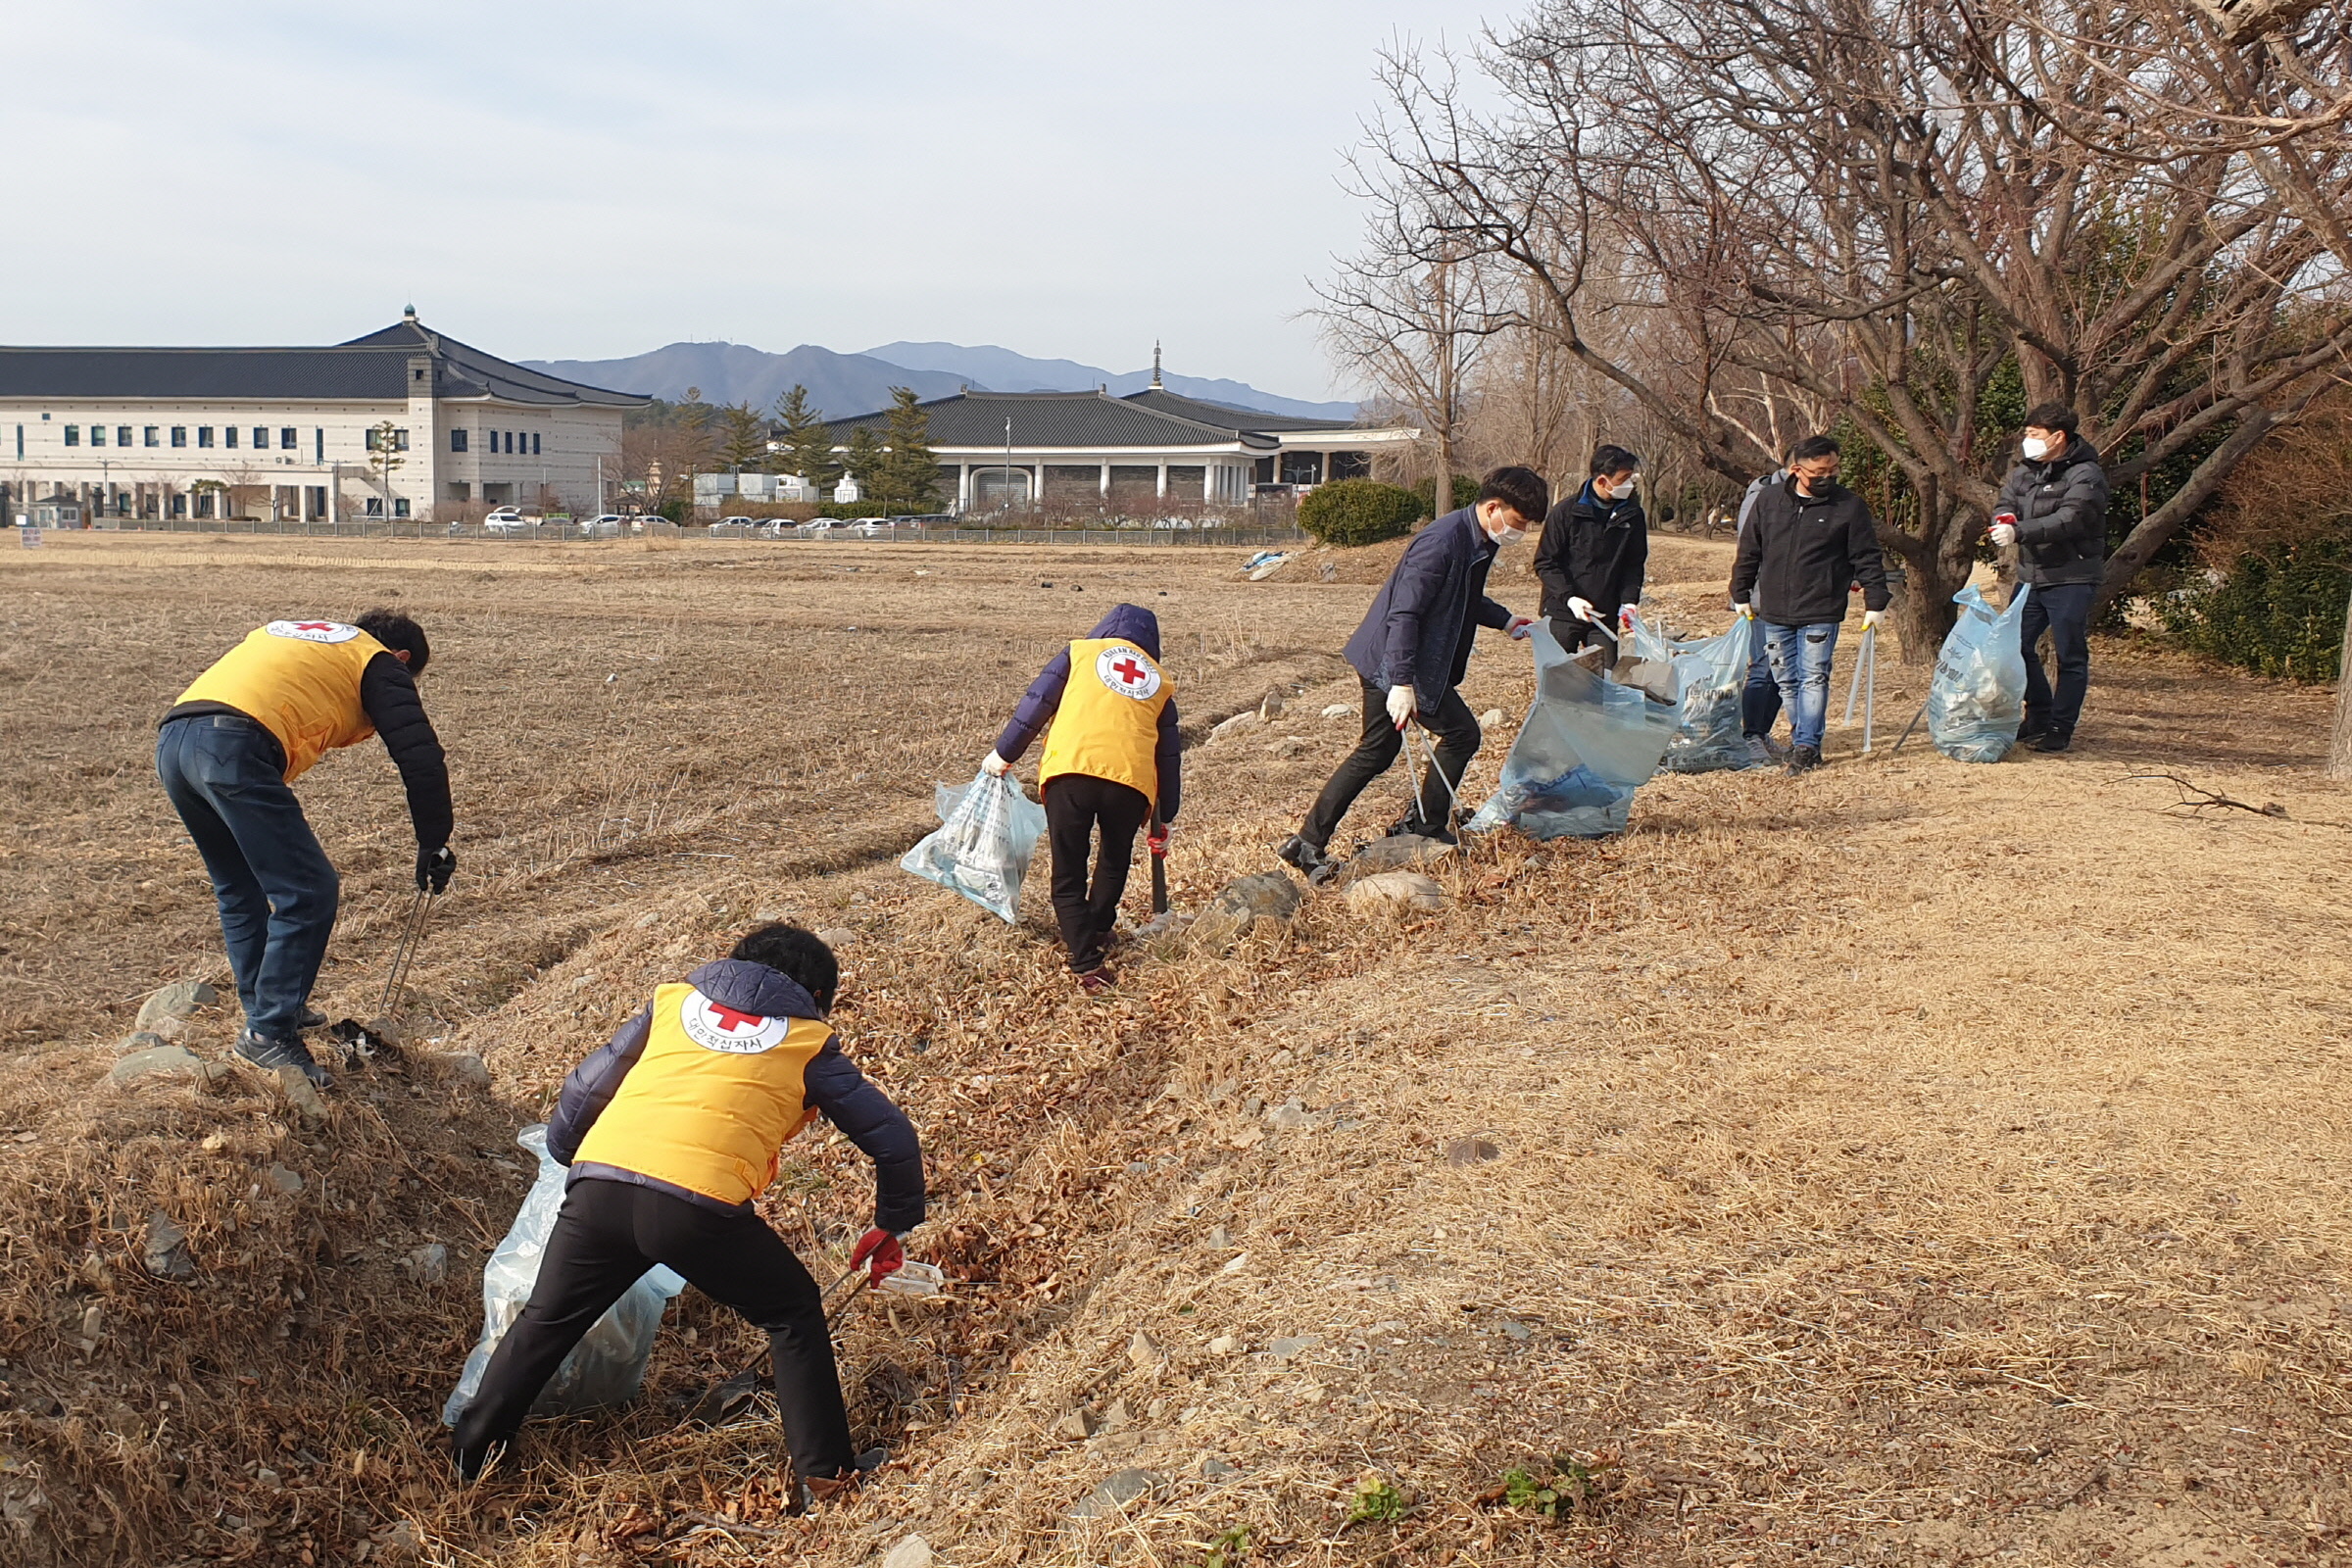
843, 384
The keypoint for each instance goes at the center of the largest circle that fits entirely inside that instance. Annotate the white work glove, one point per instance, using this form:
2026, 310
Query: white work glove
1401, 705
1871, 619
2004, 534
1744, 610
1581, 609
995, 766
1520, 628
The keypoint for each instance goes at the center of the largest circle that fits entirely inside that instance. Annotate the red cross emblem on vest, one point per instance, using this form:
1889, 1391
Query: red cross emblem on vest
1128, 671
732, 1020
313, 625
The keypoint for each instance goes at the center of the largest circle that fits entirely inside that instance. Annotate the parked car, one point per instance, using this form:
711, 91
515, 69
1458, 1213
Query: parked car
506, 519
818, 527
732, 522
607, 526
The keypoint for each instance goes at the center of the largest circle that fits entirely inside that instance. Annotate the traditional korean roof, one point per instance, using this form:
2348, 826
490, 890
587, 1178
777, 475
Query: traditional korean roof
372, 368
1059, 420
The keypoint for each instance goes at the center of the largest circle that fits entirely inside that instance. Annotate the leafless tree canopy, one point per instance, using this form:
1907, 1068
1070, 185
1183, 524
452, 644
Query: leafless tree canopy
1917, 216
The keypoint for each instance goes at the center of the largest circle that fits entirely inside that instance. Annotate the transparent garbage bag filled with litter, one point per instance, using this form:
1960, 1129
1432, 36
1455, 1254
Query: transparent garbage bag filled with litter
606, 1368
1976, 701
987, 836
1588, 744
1709, 675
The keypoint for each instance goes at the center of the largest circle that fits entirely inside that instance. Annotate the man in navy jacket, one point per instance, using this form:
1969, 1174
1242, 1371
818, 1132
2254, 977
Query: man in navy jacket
1412, 651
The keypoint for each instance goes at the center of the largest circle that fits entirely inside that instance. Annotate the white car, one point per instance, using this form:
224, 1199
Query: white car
818, 527
506, 519
605, 527
732, 522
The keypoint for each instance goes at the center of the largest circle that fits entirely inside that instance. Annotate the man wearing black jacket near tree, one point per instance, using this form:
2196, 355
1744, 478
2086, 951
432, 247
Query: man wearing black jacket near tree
1804, 542
228, 753
1594, 550
2055, 510
1412, 651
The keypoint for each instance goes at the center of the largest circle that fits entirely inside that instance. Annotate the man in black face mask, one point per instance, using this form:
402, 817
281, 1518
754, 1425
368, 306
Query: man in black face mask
2055, 510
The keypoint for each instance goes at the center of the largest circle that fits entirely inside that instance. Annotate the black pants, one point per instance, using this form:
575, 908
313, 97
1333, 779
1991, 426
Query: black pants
2063, 610
1457, 742
610, 1233
1572, 634
1076, 803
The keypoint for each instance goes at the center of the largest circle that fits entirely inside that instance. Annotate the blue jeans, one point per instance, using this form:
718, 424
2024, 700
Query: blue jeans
2063, 610
1800, 664
277, 890
1760, 698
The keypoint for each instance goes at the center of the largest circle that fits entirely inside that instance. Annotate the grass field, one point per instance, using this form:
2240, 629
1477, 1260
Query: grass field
1909, 1164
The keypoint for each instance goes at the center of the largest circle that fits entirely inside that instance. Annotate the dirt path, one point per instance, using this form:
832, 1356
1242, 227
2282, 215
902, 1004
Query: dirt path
1910, 1163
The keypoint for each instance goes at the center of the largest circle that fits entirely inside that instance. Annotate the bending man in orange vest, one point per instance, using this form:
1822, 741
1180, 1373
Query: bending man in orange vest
671, 1130
1113, 761
230, 750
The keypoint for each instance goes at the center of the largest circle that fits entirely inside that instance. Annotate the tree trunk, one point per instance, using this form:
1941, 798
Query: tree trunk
2339, 751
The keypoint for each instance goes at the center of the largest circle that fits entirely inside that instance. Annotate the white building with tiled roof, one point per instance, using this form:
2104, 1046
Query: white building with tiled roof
1149, 448
285, 433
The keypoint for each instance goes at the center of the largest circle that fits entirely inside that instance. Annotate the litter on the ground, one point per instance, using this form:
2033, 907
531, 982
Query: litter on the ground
986, 835
1976, 701
912, 1278
606, 1368
1264, 563
1708, 675
1588, 744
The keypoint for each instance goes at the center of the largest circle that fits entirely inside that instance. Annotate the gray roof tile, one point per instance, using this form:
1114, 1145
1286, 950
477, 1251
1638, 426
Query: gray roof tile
1061, 420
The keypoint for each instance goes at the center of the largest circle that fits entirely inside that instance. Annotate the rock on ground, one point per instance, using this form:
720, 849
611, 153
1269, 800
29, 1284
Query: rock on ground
913, 1552
1340, 710
1115, 1493
1392, 854
1271, 707
465, 1066
1409, 890
161, 1061
837, 937
1489, 718
1236, 912
1234, 727
178, 1000
140, 1040
165, 1254
427, 1264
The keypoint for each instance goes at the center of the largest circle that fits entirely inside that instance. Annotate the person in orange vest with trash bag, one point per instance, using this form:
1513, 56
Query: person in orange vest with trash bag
1113, 763
672, 1131
228, 755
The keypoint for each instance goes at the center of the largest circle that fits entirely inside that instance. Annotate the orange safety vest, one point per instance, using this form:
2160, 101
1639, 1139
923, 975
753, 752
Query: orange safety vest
712, 1100
1108, 724
299, 680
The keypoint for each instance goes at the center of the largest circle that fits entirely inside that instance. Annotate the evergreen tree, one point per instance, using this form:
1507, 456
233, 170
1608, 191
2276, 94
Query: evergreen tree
807, 444
866, 462
910, 472
742, 439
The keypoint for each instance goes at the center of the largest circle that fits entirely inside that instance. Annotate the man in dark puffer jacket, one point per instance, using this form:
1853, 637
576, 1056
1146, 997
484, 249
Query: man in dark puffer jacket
2055, 510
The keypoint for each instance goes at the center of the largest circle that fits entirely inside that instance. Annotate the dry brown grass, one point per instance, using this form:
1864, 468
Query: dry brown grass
1911, 1164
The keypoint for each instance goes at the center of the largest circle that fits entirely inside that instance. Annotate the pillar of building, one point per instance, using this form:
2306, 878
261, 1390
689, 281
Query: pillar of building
1163, 490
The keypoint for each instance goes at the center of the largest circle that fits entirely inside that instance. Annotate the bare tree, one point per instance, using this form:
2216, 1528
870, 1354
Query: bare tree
1888, 212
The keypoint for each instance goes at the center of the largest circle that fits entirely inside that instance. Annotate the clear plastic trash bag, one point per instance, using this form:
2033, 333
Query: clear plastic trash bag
1976, 701
1709, 675
606, 1368
1587, 745
987, 836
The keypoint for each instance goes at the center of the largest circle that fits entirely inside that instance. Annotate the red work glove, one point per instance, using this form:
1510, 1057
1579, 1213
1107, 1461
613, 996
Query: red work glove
1157, 839
882, 1249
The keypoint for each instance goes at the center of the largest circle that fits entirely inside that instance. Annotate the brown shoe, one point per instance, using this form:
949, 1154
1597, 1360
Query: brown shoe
1095, 982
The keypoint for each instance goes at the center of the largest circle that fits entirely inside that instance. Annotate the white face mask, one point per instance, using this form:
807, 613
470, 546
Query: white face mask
1510, 536
2034, 447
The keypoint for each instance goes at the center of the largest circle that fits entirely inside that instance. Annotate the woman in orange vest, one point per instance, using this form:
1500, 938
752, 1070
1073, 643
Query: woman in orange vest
1113, 761
230, 750
673, 1130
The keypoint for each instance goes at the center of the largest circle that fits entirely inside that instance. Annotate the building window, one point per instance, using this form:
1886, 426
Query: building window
375, 507
204, 435
534, 443
289, 439
261, 438
460, 490
97, 435
121, 435
456, 443
179, 436
494, 440
179, 503
400, 506
228, 437
72, 435
1303, 468
150, 436
400, 440
319, 443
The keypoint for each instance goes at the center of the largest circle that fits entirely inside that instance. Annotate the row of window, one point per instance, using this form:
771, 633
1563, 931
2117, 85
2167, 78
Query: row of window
152, 435
518, 443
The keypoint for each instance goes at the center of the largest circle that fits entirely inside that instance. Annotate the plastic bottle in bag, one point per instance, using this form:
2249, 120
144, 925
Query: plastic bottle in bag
1588, 744
608, 1366
1976, 701
987, 836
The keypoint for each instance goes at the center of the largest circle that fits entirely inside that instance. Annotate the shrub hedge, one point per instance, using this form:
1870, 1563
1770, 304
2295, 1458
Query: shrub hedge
1359, 512
2279, 612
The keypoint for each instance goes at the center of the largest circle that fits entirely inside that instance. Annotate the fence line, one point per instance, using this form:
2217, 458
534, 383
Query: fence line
561, 533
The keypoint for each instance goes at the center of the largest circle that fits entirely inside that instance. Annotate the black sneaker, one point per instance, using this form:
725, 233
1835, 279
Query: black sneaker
2032, 733
472, 1462
312, 1018
1310, 858
1408, 827
285, 1051
814, 1494
1803, 759
2052, 742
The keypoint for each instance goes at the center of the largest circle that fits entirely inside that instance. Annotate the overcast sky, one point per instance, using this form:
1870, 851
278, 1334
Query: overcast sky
589, 180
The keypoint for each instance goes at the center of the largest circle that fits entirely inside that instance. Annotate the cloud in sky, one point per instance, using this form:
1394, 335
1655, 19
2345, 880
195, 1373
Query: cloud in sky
589, 180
